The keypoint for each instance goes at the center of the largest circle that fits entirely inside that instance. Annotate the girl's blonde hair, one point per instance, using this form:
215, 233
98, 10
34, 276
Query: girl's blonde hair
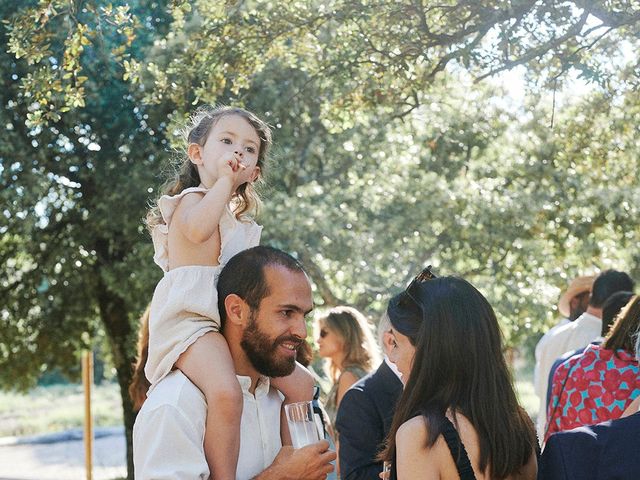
355, 332
245, 198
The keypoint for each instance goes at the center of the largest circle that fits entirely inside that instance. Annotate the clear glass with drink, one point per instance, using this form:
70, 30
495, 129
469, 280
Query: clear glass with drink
302, 424
386, 470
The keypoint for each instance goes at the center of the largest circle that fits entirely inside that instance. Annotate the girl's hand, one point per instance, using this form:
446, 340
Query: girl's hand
230, 165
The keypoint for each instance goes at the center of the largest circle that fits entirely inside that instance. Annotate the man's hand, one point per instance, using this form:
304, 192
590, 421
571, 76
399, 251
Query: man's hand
308, 463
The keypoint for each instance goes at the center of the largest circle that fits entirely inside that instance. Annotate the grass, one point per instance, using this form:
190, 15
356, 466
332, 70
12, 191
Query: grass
523, 379
61, 407
56, 408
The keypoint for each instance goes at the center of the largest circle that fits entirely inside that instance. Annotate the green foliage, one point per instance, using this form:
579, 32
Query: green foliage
75, 187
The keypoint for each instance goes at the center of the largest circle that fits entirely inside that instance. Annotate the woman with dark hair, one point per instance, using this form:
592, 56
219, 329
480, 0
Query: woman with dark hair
605, 450
458, 416
601, 382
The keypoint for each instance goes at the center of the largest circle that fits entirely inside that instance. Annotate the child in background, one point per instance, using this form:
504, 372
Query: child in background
198, 225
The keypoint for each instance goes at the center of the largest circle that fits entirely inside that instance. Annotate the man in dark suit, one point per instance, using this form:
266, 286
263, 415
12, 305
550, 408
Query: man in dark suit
365, 414
608, 450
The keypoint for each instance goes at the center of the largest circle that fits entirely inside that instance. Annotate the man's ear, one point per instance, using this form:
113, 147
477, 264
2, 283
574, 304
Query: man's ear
235, 308
194, 152
387, 342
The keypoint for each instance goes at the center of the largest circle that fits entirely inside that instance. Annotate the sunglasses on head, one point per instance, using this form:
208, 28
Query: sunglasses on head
409, 293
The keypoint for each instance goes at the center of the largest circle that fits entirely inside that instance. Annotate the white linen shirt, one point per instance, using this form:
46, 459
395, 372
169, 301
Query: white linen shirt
545, 357
577, 334
168, 435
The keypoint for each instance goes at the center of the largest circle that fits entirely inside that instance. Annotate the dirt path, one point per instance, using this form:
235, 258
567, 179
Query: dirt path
61, 456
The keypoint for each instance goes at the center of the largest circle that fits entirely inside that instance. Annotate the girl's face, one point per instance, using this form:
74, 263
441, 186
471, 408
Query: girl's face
402, 353
231, 135
329, 343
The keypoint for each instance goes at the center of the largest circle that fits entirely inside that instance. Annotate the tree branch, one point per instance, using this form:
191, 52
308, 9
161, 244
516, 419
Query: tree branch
538, 51
612, 19
318, 277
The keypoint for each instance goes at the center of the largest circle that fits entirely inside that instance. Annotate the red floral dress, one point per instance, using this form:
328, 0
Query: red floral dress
592, 387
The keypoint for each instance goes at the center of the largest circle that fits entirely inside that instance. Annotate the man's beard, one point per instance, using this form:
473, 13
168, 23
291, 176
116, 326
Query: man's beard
262, 350
580, 308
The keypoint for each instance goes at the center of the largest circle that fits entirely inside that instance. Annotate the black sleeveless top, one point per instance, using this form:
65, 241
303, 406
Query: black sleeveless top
458, 452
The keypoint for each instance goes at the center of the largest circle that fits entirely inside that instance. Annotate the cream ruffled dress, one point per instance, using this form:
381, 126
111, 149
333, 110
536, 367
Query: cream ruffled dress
185, 302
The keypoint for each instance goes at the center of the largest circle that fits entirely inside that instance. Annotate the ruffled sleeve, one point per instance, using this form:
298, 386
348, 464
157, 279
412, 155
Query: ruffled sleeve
236, 235
160, 233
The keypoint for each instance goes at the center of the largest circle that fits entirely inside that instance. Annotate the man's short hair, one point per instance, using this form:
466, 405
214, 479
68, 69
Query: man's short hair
383, 327
608, 283
243, 275
611, 308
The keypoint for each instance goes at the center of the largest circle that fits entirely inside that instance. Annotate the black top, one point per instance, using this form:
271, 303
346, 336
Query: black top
460, 456
458, 452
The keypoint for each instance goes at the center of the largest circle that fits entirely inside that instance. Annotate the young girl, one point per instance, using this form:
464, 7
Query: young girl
197, 226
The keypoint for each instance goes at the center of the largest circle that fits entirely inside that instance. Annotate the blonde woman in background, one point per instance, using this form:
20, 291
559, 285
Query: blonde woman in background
346, 342
345, 339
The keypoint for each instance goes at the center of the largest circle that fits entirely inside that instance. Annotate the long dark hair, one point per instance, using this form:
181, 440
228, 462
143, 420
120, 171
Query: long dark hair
622, 333
459, 366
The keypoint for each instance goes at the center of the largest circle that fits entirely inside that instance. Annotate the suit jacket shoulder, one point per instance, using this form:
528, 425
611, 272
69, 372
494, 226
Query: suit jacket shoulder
604, 451
363, 421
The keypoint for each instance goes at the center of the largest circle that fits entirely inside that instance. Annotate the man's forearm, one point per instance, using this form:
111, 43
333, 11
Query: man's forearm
275, 472
271, 473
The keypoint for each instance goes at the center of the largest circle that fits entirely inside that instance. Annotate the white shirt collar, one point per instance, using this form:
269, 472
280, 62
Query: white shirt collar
393, 367
588, 318
262, 388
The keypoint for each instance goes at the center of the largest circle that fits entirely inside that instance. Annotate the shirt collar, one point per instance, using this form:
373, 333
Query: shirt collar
393, 367
587, 317
262, 388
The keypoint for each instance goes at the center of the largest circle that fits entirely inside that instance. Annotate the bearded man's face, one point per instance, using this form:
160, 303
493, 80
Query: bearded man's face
277, 327
265, 352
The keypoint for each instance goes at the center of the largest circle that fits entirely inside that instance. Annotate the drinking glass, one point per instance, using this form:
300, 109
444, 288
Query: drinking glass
302, 424
386, 470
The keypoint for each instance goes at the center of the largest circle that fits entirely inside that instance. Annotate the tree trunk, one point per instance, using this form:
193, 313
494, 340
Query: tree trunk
113, 313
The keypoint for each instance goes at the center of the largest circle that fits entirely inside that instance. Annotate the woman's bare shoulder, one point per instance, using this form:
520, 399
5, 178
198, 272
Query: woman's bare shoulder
415, 458
345, 381
414, 428
347, 378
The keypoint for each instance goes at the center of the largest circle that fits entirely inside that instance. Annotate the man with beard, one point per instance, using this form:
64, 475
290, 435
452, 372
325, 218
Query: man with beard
264, 295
